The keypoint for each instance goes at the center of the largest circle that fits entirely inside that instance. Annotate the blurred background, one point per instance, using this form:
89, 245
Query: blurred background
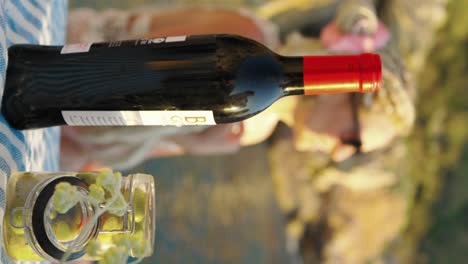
329, 179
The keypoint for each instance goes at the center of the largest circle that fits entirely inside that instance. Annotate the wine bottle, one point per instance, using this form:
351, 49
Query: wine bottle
179, 80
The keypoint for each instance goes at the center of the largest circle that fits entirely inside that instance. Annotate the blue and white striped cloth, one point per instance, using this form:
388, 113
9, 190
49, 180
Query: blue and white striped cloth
37, 22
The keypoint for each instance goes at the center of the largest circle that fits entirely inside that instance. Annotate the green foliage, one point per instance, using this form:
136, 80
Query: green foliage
439, 147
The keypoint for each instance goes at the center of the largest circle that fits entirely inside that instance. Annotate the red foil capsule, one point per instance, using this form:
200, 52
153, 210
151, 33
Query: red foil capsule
342, 73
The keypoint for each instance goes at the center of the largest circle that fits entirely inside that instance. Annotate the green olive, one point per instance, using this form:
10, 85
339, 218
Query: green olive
17, 221
18, 249
139, 204
63, 232
112, 223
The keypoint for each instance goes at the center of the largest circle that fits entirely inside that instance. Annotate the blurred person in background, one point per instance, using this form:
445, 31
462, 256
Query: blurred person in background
345, 182
345, 155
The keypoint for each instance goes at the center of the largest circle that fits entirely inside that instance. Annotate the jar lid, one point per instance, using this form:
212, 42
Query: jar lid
46, 241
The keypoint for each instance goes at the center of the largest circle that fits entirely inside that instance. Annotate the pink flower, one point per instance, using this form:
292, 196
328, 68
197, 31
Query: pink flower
333, 39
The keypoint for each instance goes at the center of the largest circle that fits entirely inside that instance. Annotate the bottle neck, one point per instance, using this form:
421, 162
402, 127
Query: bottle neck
294, 77
312, 75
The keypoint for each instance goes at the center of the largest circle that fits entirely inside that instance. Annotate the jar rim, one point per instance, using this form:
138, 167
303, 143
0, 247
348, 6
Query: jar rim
35, 224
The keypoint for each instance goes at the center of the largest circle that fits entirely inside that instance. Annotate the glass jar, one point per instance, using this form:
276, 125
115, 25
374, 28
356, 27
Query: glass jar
33, 230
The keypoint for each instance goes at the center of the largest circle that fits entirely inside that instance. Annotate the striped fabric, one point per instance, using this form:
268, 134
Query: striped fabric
37, 22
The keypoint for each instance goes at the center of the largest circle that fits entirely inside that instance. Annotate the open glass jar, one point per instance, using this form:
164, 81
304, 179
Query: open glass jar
34, 230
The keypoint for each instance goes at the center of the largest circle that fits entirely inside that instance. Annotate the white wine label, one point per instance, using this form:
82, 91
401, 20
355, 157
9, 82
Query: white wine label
176, 39
76, 48
161, 40
138, 118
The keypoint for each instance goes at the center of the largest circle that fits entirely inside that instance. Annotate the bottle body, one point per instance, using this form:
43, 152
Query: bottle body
195, 80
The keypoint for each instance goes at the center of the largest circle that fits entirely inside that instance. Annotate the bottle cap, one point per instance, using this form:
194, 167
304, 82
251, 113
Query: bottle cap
342, 73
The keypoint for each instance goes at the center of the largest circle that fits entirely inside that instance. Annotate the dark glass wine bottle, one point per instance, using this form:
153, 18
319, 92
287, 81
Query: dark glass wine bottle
182, 80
